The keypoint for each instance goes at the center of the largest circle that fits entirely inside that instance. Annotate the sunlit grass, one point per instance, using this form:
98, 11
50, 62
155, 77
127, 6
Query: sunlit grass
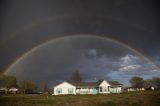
147, 98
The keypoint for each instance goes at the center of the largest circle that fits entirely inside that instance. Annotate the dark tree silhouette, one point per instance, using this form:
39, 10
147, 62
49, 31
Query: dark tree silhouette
137, 82
153, 82
156, 82
76, 77
27, 86
149, 83
8, 81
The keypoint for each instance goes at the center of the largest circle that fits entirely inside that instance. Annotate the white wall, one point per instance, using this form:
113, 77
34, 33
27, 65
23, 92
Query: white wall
119, 89
85, 91
64, 86
116, 89
105, 87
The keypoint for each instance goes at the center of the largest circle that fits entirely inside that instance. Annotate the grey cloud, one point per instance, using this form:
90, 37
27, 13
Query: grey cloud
57, 60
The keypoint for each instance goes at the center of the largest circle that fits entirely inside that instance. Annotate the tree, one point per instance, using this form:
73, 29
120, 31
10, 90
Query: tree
44, 87
76, 77
8, 81
137, 82
2, 80
149, 83
27, 86
156, 81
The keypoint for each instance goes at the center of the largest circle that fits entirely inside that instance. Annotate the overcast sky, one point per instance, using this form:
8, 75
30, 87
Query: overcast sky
108, 39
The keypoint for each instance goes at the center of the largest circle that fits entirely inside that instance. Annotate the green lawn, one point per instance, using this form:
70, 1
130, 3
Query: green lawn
146, 98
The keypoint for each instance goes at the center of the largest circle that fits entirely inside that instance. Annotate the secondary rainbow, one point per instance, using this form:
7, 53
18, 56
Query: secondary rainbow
62, 17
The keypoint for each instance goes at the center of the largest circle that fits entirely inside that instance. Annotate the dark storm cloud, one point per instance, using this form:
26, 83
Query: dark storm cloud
26, 24
95, 58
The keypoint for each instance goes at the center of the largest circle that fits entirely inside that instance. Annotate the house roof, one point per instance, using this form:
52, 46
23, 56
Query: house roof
13, 89
86, 84
115, 83
63, 82
96, 84
91, 84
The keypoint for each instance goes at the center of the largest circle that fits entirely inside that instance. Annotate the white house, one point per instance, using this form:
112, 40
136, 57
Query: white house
130, 89
3, 90
104, 87
115, 87
86, 88
64, 88
100, 87
13, 90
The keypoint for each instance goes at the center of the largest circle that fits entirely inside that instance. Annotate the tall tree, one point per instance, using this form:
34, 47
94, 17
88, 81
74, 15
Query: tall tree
8, 81
27, 86
137, 82
76, 76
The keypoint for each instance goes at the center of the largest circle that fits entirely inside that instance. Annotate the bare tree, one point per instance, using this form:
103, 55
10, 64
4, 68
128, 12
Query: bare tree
44, 87
76, 77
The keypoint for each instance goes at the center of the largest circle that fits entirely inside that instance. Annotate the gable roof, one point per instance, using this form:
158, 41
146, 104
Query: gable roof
115, 83
101, 81
86, 84
91, 84
62, 83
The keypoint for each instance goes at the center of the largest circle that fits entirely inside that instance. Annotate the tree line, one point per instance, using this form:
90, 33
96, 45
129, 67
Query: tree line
139, 82
135, 81
29, 86
8, 81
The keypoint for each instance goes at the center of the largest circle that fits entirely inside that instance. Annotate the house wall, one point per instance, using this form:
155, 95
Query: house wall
64, 88
116, 90
86, 91
13, 90
3, 90
135, 89
104, 87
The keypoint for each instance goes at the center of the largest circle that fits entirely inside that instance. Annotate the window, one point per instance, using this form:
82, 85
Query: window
100, 89
59, 90
70, 90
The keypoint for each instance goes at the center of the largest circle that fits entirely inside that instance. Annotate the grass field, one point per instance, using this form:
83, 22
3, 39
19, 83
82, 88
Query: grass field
145, 98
